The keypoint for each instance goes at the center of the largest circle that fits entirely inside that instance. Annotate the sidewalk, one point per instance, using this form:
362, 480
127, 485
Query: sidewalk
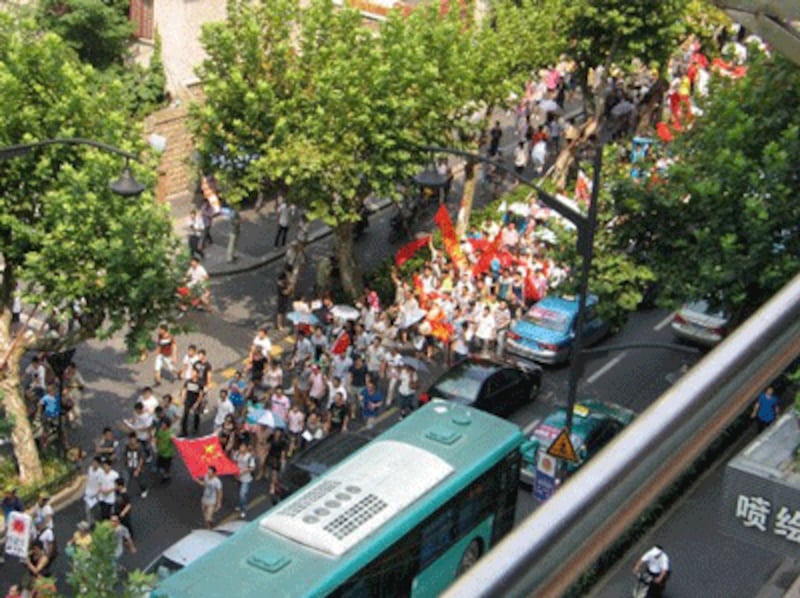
256, 243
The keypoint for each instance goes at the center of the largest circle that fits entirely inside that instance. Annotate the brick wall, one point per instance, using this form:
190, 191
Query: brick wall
176, 172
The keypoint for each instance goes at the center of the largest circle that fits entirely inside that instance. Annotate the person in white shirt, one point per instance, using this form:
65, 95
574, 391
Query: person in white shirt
285, 213
407, 389
224, 408
391, 365
149, 400
107, 494
656, 563
486, 328
92, 489
187, 364
197, 281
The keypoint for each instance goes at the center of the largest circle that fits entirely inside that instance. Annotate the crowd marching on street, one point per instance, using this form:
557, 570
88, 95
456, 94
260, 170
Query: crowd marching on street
350, 363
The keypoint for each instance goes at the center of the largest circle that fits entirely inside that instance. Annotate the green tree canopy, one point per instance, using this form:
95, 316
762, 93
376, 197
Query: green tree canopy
724, 225
98, 30
64, 236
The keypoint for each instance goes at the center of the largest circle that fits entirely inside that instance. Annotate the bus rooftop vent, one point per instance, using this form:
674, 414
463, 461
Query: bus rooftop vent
358, 497
443, 435
271, 563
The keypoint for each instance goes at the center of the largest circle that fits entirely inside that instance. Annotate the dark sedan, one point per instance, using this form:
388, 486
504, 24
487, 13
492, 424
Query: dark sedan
498, 387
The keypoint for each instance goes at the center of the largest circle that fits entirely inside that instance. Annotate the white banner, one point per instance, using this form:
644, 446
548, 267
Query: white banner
18, 534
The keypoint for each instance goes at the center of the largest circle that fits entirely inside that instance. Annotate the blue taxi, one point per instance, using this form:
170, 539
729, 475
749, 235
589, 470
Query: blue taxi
546, 332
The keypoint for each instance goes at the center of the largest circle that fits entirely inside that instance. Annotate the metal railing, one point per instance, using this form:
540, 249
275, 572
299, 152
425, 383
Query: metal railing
550, 549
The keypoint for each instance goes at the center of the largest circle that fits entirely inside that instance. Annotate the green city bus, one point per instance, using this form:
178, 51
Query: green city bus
403, 516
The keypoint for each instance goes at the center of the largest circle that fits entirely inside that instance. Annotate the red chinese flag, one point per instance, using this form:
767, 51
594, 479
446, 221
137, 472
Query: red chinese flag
420, 289
441, 330
449, 238
489, 253
664, 134
201, 453
341, 344
407, 251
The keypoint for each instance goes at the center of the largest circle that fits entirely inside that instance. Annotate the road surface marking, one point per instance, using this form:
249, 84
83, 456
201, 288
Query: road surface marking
594, 377
664, 322
532, 425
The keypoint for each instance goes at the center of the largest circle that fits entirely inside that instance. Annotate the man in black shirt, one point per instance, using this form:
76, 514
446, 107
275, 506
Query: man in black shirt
134, 465
192, 395
203, 368
339, 414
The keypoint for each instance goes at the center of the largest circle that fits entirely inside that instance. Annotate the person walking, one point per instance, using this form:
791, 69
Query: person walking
371, 402
520, 158
211, 501
766, 408
134, 457
107, 494
166, 354
122, 504
196, 233
285, 212
494, 139
122, 537
246, 462
191, 397
165, 449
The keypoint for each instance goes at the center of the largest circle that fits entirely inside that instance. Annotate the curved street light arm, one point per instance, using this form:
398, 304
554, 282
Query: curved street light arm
13, 151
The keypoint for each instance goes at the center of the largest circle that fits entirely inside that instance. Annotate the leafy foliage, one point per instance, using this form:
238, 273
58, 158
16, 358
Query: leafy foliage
94, 570
724, 226
98, 30
63, 234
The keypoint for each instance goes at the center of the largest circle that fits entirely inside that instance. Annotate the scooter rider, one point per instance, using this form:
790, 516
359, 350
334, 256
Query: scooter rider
656, 563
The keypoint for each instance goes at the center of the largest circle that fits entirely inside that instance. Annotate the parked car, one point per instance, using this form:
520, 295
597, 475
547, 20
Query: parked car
190, 548
316, 459
546, 332
496, 386
697, 322
594, 424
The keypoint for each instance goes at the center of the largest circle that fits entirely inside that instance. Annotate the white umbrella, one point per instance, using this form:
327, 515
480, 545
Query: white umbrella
549, 105
519, 208
411, 318
345, 312
269, 419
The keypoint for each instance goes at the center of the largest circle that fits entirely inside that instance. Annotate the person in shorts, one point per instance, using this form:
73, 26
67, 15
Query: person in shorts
211, 501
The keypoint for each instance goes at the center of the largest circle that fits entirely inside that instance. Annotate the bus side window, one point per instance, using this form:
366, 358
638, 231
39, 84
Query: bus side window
436, 537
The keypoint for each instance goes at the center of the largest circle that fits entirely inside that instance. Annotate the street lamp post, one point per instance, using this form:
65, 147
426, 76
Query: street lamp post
126, 186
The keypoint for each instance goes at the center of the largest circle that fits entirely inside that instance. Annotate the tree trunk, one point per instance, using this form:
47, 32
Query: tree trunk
25, 450
349, 271
468, 196
566, 159
650, 104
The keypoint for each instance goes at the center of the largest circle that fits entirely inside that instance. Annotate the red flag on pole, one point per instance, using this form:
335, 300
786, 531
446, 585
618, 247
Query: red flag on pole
489, 253
449, 238
407, 251
341, 343
201, 453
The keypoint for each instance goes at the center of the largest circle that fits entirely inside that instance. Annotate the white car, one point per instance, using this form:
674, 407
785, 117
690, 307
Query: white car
697, 323
190, 548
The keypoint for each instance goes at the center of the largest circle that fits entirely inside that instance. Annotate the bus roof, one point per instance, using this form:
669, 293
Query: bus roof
327, 531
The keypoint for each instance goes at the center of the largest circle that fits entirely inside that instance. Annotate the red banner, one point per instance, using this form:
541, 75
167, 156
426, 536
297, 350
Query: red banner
489, 253
341, 343
449, 238
407, 251
200, 453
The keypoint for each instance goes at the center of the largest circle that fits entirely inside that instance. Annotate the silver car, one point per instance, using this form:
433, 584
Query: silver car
696, 322
190, 548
